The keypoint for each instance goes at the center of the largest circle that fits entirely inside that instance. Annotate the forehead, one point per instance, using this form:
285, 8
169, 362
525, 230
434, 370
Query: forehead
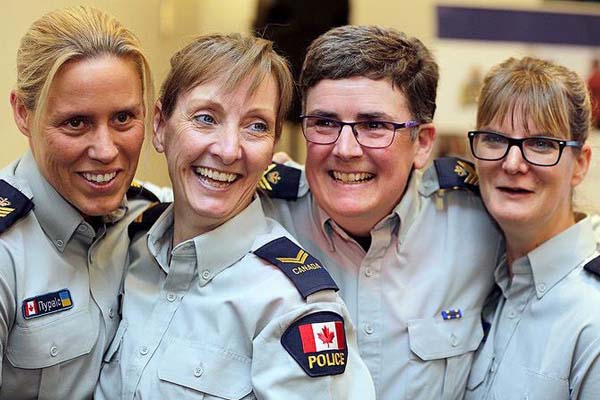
355, 96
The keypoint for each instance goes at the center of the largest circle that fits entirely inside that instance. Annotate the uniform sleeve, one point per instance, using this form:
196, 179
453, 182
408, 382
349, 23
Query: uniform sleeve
586, 381
7, 302
277, 374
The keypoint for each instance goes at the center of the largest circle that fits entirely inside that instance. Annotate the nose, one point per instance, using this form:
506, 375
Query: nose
347, 145
227, 146
514, 162
103, 148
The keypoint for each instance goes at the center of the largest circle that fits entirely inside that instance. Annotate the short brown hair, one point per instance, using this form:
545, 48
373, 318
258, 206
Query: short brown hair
235, 56
74, 34
375, 53
553, 97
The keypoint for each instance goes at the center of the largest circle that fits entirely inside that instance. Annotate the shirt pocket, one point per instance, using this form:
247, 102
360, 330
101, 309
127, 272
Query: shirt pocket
213, 371
58, 341
515, 382
441, 354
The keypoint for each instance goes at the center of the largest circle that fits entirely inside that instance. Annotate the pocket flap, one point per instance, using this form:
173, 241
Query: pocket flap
58, 341
208, 369
433, 338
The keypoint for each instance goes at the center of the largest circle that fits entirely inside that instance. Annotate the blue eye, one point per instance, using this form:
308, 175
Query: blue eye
205, 119
259, 127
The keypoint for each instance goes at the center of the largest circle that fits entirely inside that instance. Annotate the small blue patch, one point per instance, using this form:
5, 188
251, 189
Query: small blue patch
455, 313
317, 342
305, 271
48, 303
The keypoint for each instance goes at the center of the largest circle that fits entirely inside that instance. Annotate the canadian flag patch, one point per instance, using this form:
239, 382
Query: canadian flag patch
322, 336
30, 308
317, 342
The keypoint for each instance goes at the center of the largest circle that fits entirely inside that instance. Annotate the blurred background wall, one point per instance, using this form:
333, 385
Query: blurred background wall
165, 25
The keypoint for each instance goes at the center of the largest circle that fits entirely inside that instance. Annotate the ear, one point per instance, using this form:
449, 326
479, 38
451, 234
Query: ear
21, 115
159, 128
582, 164
424, 144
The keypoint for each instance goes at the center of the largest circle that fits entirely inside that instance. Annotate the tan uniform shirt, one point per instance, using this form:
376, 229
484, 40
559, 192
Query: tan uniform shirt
544, 341
435, 252
57, 355
205, 321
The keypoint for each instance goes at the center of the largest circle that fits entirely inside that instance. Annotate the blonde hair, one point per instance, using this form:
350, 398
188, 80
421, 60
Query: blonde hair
234, 56
553, 97
74, 34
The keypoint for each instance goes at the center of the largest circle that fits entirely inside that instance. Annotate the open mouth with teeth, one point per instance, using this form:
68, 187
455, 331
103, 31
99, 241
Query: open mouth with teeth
353, 177
99, 179
514, 190
214, 177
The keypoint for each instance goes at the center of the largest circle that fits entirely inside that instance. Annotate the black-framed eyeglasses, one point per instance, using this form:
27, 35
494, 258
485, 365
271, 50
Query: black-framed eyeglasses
372, 134
536, 150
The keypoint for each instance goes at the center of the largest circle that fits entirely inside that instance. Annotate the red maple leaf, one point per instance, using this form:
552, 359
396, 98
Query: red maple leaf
326, 336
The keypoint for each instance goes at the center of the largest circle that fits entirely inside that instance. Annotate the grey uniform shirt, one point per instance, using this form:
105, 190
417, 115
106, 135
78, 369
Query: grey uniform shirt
436, 251
544, 341
57, 355
205, 321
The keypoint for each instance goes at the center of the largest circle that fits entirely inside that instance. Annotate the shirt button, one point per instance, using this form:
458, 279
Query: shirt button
53, 351
453, 340
143, 350
493, 368
205, 274
512, 314
198, 371
60, 243
368, 329
82, 228
171, 296
541, 287
368, 272
111, 313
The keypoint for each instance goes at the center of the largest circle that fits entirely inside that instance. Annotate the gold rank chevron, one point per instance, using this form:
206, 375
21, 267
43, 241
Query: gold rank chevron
4, 211
264, 183
464, 169
299, 259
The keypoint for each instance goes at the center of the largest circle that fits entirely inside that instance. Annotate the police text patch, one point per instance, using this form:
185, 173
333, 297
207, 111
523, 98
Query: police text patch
48, 303
318, 343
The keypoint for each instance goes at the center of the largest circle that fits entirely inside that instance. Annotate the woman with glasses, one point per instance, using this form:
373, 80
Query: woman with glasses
533, 120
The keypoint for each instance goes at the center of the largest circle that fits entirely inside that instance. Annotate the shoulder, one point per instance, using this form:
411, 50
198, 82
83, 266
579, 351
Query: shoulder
305, 272
14, 204
144, 221
450, 174
286, 182
143, 191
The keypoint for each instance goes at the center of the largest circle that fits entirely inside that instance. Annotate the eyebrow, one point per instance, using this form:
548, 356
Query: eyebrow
362, 116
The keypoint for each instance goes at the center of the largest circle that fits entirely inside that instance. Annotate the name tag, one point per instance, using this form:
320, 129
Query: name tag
48, 303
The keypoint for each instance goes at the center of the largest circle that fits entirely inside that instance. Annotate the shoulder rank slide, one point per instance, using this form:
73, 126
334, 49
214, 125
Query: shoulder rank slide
305, 271
281, 181
137, 191
146, 219
14, 205
454, 173
593, 266
48, 303
318, 343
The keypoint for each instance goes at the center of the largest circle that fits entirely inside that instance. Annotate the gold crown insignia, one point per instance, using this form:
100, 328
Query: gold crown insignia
463, 169
4, 207
299, 259
4, 202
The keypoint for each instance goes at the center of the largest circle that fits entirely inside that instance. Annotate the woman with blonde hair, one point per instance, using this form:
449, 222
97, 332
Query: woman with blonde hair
533, 121
81, 99
220, 301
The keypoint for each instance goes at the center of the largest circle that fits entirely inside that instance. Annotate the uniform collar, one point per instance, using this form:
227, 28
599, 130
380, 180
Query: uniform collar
549, 263
408, 207
213, 251
57, 217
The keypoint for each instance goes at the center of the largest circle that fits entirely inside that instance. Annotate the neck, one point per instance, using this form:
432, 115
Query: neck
186, 228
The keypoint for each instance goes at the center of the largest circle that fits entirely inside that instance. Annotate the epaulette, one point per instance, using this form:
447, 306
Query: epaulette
14, 205
593, 266
137, 191
281, 181
305, 271
454, 173
145, 220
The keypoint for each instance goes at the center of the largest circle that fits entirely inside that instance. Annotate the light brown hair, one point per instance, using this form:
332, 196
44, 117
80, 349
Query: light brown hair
553, 97
234, 56
73, 34
375, 53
